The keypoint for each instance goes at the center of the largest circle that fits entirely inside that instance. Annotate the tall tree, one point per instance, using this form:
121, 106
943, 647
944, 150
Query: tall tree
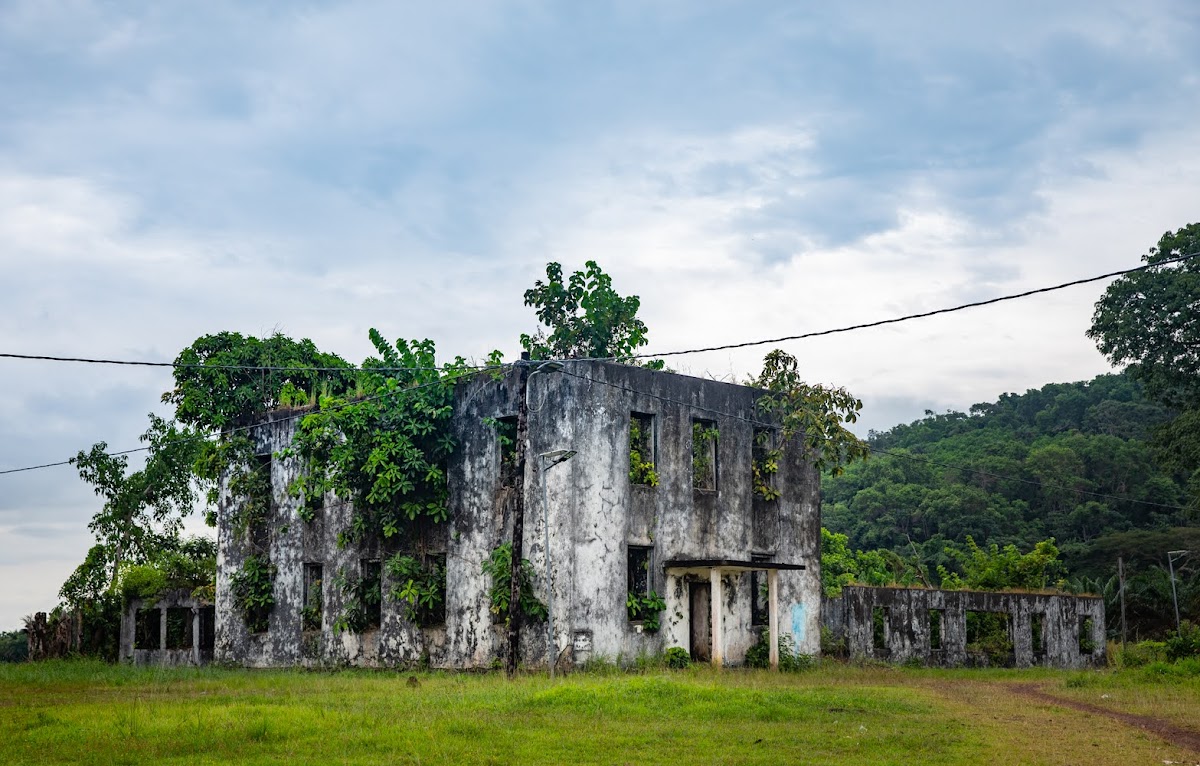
1150, 320
586, 317
142, 509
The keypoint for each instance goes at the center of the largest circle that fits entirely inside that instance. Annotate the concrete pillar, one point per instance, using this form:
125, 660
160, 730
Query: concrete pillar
162, 629
717, 643
773, 615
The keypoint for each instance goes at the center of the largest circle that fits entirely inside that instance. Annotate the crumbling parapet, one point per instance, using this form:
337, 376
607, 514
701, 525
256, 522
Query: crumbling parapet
934, 627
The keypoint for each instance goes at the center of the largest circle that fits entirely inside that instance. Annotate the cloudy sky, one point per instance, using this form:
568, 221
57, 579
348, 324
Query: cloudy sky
751, 170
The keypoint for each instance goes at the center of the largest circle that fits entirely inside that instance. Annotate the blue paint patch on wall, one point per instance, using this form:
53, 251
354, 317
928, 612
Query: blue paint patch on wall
798, 623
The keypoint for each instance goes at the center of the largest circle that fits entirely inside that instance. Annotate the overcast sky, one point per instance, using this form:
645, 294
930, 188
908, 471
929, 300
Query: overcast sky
750, 170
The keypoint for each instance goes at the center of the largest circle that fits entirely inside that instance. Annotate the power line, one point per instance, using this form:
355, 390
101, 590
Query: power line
906, 318
236, 429
725, 347
201, 366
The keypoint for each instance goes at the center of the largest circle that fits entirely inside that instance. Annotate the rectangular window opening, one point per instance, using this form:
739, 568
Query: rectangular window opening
371, 592
1087, 643
704, 454
879, 631
764, 463
638, 564
989, 639
935, 630
506, 438
642, 450
759, 595
1037, 622
146, 627
208, 628
313, 609
179, 628
434, 615
259, 502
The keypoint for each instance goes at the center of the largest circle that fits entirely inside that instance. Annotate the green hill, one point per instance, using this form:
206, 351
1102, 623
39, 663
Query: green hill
1070, 461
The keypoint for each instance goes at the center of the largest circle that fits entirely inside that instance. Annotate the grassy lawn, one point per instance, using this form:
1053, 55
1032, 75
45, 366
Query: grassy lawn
84, 712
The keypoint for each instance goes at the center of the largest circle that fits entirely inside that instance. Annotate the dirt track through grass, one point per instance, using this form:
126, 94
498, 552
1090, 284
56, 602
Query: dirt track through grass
1157, 726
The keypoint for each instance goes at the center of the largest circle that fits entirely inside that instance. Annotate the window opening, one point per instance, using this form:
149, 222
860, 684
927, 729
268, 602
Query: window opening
1037, 622
642, 450
208, 628
1087, 644
638, 564
179, 628
313, 608
506, 437
704, 454
989, 639
935, 630
879, 631
764, 463
147, 625
372, 592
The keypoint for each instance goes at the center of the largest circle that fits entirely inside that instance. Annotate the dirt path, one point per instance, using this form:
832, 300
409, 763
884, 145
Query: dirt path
1168, 731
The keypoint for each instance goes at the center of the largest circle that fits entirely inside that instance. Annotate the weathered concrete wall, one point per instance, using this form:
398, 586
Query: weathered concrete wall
596, 513
199, 627
907, 630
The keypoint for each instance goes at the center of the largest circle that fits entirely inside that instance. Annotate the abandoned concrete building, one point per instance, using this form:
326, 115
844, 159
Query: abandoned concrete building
936, 627
723, 560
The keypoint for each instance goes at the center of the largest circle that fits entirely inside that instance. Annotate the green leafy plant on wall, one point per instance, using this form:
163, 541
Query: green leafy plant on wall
421, 588
313, 609
641, 452
253, 588
362, 600
704, 465
499, 566
645, 608
765, 464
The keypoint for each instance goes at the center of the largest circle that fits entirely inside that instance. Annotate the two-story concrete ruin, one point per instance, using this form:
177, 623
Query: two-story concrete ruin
724, 560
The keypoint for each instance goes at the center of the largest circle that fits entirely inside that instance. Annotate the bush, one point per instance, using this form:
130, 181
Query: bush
14, 646
1141, 654
1185, 642
791, 660
677, 657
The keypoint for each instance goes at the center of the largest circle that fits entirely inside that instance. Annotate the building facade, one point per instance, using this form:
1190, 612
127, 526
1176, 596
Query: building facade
686, 528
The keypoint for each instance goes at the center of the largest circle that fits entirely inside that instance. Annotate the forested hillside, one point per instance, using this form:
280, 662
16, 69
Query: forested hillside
1070, 461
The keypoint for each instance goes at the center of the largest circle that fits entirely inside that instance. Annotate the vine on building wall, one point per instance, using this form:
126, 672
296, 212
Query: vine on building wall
420, 587
704, 466
641, 453
253, 589
499, 566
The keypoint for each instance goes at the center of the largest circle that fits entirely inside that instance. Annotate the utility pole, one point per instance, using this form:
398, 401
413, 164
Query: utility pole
514, 593
1121, 577
1174, 596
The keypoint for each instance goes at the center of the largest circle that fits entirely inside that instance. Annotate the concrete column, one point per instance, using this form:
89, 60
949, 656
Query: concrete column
773, 615
162, 629
717, 642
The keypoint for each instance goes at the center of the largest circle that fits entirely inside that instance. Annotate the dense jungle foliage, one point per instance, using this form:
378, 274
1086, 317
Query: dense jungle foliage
1075, 462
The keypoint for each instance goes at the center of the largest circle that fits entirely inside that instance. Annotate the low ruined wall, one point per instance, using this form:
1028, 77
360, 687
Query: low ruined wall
931, 627
175, 630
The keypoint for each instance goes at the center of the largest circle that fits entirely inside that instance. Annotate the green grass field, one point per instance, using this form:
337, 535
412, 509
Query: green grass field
85, 712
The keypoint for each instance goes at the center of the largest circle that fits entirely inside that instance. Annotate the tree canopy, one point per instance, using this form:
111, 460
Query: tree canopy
1150, 321
586, 317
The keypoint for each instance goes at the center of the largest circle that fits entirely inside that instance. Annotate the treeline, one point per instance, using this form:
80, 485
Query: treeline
1073, 462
